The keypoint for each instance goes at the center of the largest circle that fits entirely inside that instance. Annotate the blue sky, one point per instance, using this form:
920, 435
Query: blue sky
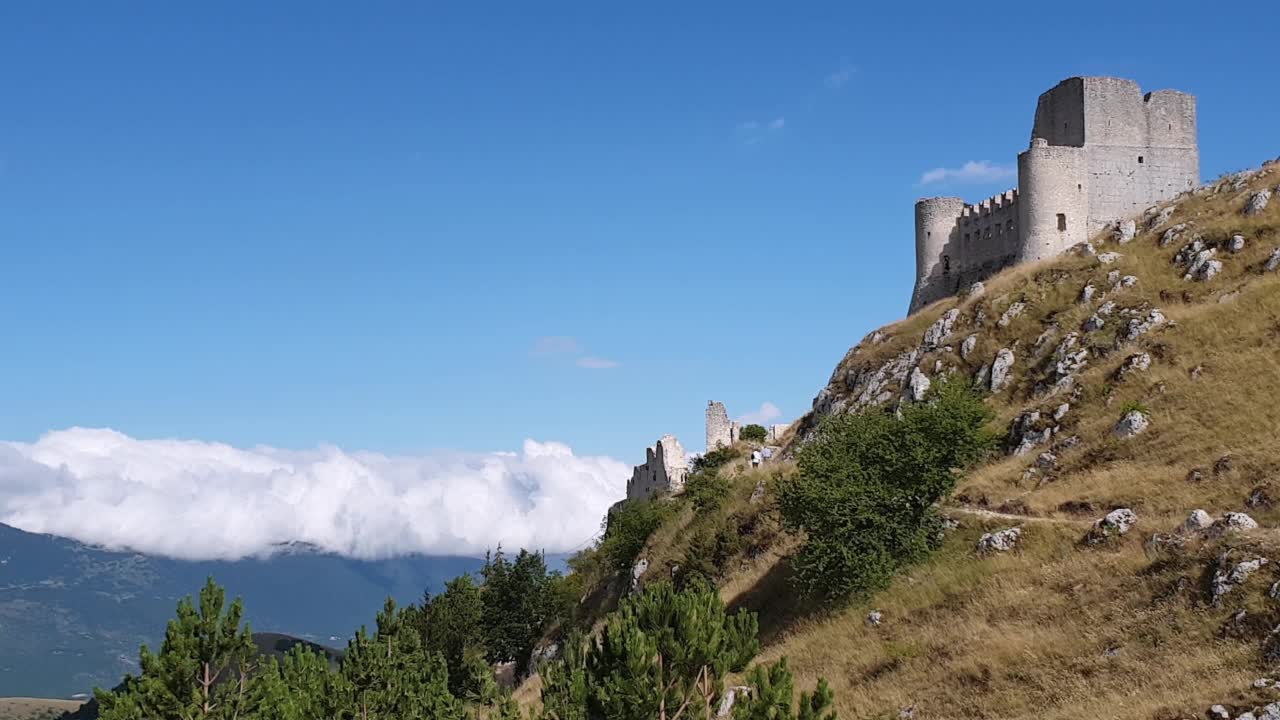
407, 226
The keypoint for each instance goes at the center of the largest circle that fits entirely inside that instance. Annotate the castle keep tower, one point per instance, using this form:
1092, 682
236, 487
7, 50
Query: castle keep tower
1100, 151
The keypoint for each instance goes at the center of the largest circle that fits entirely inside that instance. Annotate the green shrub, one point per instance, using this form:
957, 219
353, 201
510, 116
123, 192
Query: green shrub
753, 433
627, 529
709, 552
867, 487
707, 491
665, 654
713, 460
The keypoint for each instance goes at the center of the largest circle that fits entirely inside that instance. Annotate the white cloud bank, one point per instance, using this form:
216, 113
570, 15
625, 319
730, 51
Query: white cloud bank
972, 171
768, 411
199, 500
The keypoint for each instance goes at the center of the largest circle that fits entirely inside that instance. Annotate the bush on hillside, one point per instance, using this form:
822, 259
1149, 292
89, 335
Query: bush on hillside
707, 491
627, 529
662, 654
714, 459
753, 433
867, 487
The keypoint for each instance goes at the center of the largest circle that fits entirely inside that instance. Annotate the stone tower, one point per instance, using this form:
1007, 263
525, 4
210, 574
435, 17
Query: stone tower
1100, 151
720, 432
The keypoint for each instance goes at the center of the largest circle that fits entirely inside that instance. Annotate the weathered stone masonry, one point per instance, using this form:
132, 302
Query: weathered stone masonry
1100, 151
663, 473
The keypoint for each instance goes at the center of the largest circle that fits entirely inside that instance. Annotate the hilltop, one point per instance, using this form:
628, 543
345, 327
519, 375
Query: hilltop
1137, 373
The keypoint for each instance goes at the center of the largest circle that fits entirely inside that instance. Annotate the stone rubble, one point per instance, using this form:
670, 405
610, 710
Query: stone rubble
1107, 258
967, 346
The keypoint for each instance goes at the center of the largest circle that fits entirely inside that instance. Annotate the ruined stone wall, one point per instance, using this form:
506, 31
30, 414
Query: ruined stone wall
663, 472
719, 429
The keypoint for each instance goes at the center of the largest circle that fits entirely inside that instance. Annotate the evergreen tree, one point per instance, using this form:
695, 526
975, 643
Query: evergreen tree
770, 697
662, 655
518, 605
391, 677
207, 668
452, 624
304, 687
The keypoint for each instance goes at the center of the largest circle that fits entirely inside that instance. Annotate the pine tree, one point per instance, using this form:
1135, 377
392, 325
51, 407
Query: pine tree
518, 606
771, 693
207, 668
662, 654
392, 678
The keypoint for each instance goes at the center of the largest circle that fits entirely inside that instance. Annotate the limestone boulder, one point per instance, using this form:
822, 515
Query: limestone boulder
1133, 423
1000, 369
999, 542
1273, 262
1108, 258
1231, 575
967, 346
1126, 230
940, 329
1011, 314
918, 386
1113, 524
1257, 202
1197, 521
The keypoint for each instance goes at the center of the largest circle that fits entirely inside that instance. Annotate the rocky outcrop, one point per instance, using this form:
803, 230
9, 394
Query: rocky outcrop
1000, 368
940, 330
1257, 202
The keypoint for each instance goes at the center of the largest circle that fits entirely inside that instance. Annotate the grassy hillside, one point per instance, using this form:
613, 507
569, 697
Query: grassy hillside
1058, 628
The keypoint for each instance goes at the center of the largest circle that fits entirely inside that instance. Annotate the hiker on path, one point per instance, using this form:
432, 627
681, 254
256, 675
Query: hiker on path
756, 458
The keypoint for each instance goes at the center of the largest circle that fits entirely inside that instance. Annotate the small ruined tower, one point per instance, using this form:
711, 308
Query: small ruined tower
721, 433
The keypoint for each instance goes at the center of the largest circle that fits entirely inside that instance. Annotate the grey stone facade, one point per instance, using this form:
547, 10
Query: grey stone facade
663, 473
720, 432
1100, 151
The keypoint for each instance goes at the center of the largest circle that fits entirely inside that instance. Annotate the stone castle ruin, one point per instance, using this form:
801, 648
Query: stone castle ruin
664, 471
1100, 151
721, 432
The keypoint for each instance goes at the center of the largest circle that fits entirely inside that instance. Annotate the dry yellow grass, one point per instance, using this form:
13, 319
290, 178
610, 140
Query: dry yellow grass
1058, 629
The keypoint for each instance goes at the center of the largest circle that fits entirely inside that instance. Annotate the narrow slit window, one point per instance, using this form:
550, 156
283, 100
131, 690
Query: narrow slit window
1139, 159
946, 264
1062, 222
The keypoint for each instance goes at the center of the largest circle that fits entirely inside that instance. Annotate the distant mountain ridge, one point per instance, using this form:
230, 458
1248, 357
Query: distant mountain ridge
72, 616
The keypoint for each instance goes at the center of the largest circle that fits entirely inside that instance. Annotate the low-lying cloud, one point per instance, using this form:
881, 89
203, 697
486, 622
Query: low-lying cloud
972, 171
200, 500
767, 412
